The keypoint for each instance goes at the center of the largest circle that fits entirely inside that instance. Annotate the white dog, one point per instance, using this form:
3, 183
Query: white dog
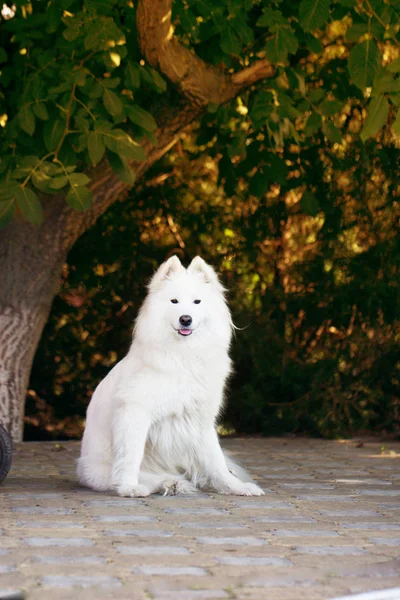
151, 422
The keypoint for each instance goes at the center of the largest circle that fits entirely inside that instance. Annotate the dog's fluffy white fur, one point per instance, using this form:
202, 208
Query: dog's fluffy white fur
150, 425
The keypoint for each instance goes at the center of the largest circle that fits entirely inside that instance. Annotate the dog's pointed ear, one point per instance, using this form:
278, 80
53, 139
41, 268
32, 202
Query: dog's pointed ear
198, 265
168, 268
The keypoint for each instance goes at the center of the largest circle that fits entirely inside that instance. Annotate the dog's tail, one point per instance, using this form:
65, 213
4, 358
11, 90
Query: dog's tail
238, 470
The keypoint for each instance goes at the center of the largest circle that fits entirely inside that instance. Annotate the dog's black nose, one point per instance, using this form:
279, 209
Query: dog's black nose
185, 320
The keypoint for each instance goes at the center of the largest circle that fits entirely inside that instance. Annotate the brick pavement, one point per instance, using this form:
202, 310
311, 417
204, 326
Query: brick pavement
328, 526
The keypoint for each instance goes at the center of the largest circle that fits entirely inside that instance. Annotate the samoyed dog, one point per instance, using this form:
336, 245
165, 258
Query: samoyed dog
150, 424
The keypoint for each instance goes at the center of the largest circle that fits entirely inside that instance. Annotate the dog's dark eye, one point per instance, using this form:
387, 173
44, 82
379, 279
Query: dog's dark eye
174, 301
196, 301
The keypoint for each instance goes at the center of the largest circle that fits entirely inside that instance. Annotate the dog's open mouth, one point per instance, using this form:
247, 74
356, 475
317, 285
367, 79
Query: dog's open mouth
185, 331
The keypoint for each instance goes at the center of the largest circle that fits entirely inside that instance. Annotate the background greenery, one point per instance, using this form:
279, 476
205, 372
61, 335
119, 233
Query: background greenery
291, 191
317, 297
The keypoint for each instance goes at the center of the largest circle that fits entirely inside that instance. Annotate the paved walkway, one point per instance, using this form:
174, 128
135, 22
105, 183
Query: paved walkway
329, 525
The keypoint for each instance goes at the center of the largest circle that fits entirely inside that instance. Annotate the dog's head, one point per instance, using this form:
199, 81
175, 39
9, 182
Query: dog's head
185, 303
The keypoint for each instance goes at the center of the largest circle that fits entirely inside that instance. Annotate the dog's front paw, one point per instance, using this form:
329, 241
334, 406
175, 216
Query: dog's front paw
243, 489
133, 491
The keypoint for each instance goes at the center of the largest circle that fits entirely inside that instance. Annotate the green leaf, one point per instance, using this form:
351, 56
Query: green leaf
79, 198
29, 204
356, 31
333, 134
313, 14
364, 62
259, 184
96, 147
313, 43
121, 143
314, 123
385, 83
330, 107
309, 204
78, 179
316, 95
80, 76
8, 190
52, 133
27, 119
100, 5
7, 209
378, 111
396, 124
41, 111
154, 78
263, 105
3, 55
42, 181
100, 34
230, 41
58, 182
283, 43
132, 76
111, 82
271, 17
141, 117
72, 32
112, 102
394, 66
121, 168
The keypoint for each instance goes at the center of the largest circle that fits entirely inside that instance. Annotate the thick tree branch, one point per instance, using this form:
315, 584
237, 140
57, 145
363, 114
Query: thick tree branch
200, 82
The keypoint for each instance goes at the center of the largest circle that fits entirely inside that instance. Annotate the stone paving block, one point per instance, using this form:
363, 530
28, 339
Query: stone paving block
171, 571
232, 541
118, 503
214, 526
36, 496
158, 550
38, 510
254, 561
190, 594
313, 533
7, 569
70, 560
196, 511
386, 541
60, 581
349, 513
262, 504
385, 493
60, 542
284, 519
49, 525
124, 519
371, 525
325, 498
307, 486
331, 550
162, 533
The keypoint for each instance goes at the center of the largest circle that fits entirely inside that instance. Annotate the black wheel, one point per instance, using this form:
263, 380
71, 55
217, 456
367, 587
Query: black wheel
5, 453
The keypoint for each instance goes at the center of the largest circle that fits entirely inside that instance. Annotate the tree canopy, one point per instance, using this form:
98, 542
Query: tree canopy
81, 80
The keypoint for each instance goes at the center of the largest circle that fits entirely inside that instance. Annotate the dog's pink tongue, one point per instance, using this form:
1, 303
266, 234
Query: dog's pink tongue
185, 331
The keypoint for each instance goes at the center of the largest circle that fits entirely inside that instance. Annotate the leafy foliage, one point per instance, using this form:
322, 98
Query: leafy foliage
72, 81
313, 281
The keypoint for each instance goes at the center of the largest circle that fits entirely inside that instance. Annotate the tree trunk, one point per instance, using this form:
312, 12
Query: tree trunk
32, 258
31, 264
